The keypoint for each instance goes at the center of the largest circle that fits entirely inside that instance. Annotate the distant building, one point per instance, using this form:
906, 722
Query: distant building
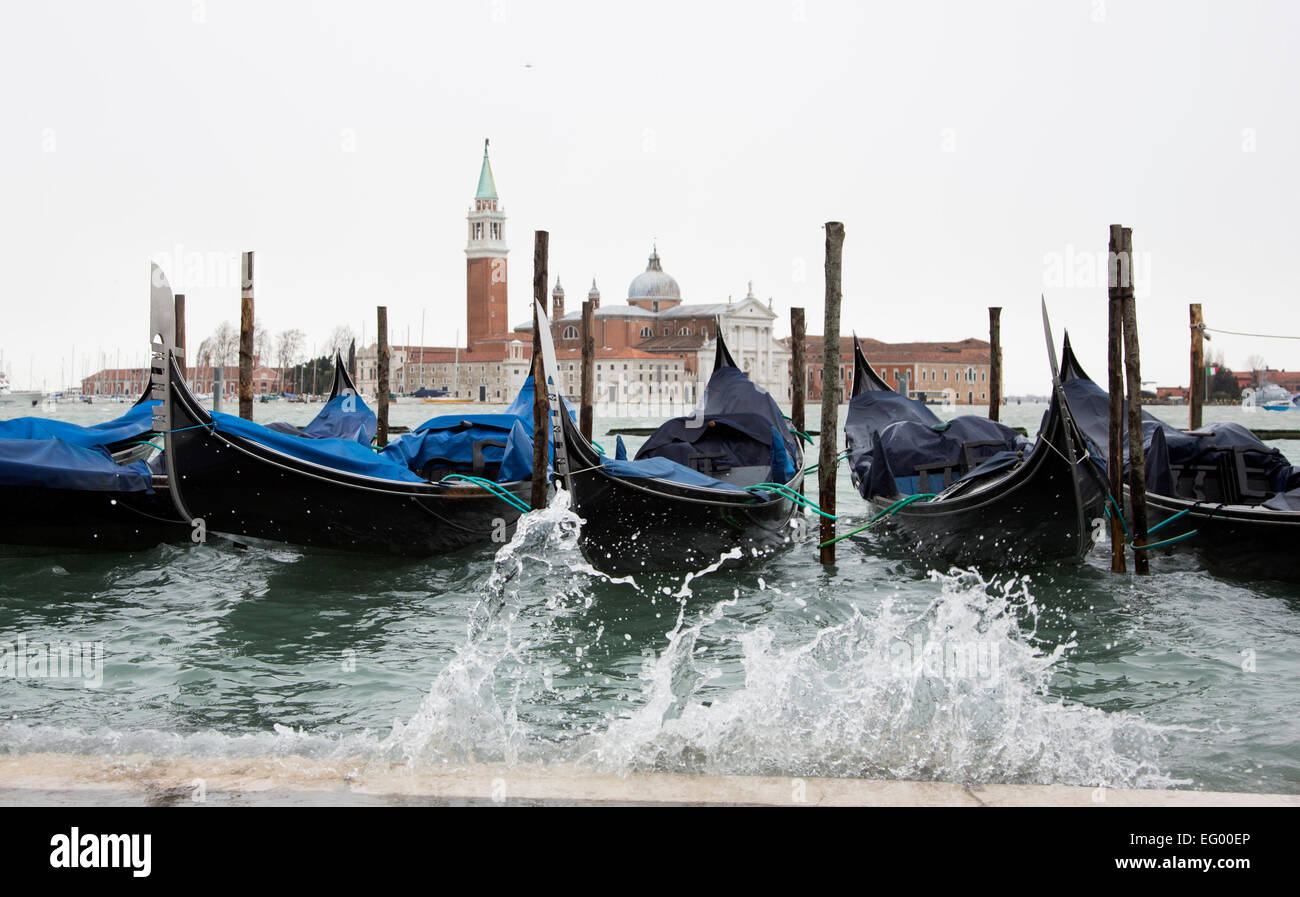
131, 381
1289, 380
653, 350
662, 340
495, 362
1171, 395
956, 372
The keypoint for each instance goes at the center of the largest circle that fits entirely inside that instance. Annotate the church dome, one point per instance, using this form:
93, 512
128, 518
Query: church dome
653, 283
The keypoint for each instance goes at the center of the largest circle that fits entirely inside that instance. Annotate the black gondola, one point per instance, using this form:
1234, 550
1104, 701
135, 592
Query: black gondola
1219, 490
688, 500
239, 479
996, 500
66, 486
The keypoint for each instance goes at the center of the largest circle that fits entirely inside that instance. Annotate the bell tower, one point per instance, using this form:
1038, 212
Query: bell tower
487, 311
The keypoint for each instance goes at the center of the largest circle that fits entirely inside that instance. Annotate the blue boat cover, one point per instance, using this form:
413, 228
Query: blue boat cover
461, 431
735, 424
136, 424
341, 454
1090, 406
1165, 446
901, 449
663, 469
890, 436
454, 448
56, 464
448, 438
1285, 501
343, 417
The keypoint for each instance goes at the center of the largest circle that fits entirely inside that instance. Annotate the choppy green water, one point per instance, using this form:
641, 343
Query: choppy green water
877, 667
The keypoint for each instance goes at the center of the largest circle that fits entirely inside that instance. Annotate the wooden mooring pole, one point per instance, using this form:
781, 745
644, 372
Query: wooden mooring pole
541, 406
246, 339
995, 362
382, 357
1196, 390
1137, 465
798, 368
1115, 386
180, 328
826, 466
585, 411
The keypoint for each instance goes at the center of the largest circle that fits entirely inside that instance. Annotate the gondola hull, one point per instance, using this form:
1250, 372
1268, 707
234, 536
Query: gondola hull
629, 527
1045, 509
1032, 517
1233, 540
649, 525
89, 520
239, 487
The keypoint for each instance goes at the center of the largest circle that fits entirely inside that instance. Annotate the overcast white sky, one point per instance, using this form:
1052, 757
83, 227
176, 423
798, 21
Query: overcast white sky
976, 152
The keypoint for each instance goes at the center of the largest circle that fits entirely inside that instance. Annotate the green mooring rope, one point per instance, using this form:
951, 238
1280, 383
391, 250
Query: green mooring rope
889, 511
1149, 546
800, 433
838, 458
492, 487
797, 498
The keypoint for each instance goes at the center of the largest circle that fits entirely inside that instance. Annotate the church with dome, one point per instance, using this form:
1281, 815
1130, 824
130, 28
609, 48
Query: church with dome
654, 324
654, 348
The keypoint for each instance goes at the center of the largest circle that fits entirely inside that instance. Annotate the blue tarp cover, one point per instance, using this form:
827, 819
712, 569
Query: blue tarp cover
137, 423
450, 437
736, 421
456, 448
891, 467
1090, 406
1166, 445
341, 454
344, 417
56, 464
889, 436
664, 469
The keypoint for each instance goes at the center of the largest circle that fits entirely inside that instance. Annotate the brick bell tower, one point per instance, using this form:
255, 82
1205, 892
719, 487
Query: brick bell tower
487, 312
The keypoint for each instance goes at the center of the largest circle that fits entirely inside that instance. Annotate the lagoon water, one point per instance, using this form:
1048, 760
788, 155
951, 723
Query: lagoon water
878, 667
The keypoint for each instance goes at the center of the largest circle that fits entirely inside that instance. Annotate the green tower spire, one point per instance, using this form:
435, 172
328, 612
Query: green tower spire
487, 187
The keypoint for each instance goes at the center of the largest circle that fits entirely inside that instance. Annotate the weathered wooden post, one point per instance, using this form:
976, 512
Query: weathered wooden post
830, 389
586, 412
798, 368
995, 361
382, 360
246, 339
218, 386
1137, 466
1115, 385
541, 407
180, 327
1196, 390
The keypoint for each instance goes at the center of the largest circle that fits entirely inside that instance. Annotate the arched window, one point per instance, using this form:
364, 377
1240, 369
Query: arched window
646, 333
570, 332
685, 331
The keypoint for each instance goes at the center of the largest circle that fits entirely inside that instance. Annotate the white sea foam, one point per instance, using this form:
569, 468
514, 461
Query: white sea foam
957, 690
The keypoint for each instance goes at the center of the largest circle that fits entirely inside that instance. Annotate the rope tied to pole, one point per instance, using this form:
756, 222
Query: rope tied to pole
787, 492
887, 512
494, 488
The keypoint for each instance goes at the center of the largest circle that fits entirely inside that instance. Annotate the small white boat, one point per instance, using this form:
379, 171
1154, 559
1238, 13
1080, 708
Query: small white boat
10, 397
1270, 397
